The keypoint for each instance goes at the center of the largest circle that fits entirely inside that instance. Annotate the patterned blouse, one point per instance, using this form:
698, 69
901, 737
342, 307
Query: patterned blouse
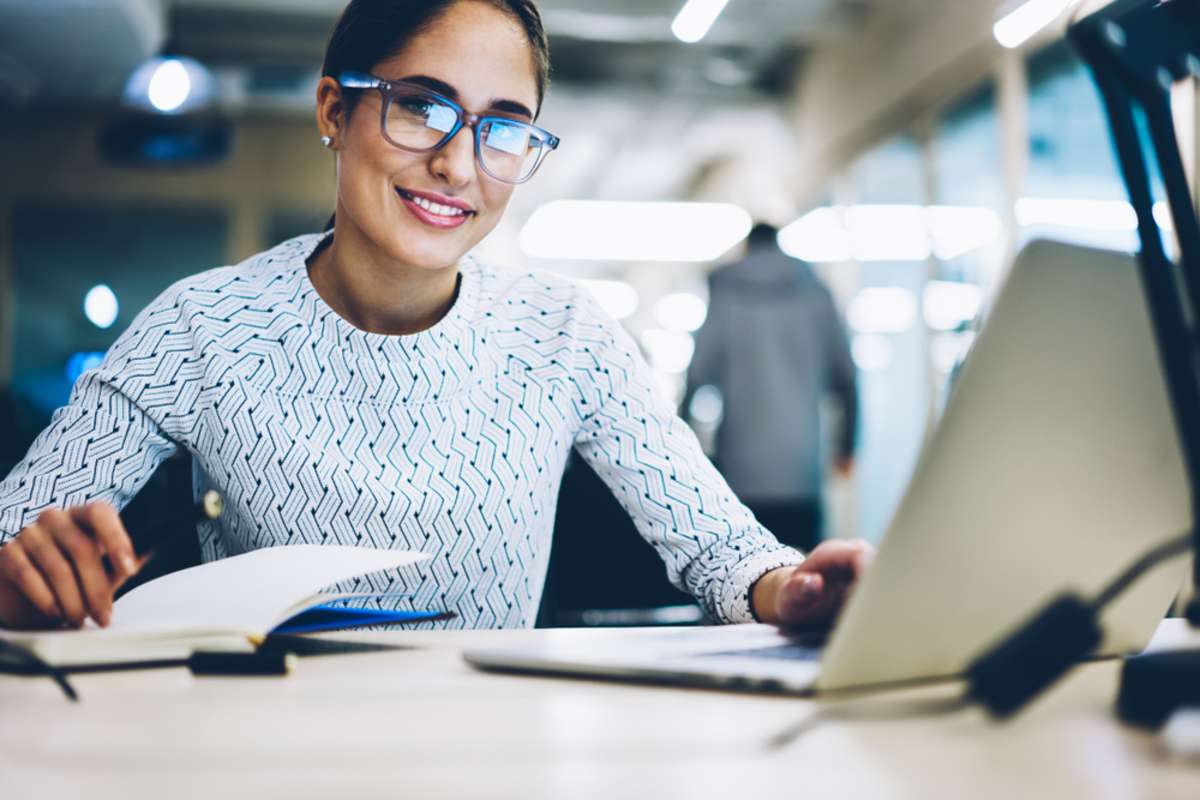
451, 441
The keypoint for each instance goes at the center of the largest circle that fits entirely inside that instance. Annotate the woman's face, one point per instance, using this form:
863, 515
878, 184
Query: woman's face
478, 56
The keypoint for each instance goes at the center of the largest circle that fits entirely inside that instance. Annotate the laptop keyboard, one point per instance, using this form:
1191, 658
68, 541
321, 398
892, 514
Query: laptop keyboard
785, 652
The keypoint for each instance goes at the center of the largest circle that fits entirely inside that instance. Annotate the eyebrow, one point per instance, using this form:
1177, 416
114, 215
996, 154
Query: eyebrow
443, 88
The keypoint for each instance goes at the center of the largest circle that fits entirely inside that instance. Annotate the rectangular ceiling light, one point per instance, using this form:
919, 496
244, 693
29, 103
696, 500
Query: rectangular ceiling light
1018, 25
634, 231
695, 18
889, 232
1063, 212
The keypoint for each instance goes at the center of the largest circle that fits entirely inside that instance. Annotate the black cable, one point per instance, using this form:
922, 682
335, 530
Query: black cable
1024, 663
1134, 48
38, 666
209, 507
1155, 556
1009, 674
873, 713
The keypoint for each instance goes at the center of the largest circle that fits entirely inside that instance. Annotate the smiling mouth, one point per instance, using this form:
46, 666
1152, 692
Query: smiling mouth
436, 209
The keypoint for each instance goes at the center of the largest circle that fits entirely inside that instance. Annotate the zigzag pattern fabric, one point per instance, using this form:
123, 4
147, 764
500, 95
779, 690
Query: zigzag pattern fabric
451, 441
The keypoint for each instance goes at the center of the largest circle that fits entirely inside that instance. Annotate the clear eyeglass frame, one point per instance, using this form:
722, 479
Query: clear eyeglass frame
390, 91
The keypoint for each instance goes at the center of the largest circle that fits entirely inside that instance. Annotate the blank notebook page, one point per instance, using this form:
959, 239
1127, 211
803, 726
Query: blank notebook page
253, 591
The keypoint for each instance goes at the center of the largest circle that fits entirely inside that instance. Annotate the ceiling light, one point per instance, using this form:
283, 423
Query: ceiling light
948, 305
695, 18
707, 405
1162, 215
683, 312
871, 352
1063, 212
889, 232
634, 231
882, 309
1020, 23
617, 298
957, 230
818, 236
169, 85
668, 351
100, 306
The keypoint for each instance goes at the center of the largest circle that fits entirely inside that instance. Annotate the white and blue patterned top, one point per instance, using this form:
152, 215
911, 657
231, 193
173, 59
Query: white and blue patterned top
451, 441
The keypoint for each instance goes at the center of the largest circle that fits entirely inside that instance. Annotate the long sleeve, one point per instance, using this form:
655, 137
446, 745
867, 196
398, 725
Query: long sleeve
108, 440
630, 434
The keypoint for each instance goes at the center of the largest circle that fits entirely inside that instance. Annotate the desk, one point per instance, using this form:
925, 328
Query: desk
420, 723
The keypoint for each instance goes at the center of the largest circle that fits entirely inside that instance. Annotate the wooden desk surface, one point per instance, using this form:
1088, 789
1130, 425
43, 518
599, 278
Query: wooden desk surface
420, 723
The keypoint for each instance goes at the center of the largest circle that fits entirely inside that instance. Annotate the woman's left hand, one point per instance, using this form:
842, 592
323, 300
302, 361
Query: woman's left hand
813, 593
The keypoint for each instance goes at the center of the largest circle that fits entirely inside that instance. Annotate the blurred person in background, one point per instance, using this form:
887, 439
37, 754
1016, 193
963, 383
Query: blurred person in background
376, 385
774, 346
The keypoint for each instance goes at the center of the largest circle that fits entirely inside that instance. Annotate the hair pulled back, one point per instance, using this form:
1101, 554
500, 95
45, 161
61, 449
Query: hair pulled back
371, 31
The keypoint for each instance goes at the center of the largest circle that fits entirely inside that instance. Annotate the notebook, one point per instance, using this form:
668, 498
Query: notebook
335, 618
229, 604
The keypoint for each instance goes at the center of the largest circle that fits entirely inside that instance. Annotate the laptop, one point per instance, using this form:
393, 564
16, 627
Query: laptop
1055, 465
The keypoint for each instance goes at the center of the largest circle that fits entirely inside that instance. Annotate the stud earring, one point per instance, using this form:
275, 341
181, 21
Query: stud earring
326, 141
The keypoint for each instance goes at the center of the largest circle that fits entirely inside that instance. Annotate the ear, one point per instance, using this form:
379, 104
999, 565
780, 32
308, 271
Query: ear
330, 108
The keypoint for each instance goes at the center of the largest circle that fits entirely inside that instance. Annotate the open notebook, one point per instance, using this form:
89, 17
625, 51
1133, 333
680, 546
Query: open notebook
222, 605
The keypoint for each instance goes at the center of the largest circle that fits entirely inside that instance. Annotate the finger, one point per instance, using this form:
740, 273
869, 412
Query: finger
18, 570
104, 524
866, 556
813, 600
84, 555
841, 559
52, 563
805, 599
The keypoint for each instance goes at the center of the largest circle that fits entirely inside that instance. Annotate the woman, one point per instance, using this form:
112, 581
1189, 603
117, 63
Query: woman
375, 384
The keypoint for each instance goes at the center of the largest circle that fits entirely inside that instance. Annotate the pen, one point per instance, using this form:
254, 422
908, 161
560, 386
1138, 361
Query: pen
209, 507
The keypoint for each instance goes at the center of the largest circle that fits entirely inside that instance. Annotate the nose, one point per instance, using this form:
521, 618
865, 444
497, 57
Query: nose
455, 161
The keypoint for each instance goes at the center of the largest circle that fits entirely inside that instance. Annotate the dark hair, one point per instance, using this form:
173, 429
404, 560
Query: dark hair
369, 31
762, 233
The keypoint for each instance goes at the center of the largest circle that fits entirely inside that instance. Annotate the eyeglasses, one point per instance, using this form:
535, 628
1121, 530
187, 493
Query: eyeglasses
418, 120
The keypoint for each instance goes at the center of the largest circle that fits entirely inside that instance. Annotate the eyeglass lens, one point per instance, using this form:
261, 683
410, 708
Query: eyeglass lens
508, 150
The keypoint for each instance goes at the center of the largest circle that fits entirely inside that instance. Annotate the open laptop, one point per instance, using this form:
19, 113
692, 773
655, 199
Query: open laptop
1055, 465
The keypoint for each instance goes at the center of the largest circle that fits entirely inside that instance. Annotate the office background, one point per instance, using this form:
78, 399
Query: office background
903, 150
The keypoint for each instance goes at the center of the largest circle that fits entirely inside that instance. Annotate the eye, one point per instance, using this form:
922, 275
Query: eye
440, 117
417, 106
424, 111
508, 137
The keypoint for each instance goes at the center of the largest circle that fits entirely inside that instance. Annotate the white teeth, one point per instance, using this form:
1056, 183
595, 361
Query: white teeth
437, 208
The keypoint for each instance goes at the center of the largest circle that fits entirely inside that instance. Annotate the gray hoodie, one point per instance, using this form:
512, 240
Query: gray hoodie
774, 346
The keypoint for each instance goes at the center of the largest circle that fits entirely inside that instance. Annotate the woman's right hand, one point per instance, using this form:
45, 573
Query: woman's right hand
52, 572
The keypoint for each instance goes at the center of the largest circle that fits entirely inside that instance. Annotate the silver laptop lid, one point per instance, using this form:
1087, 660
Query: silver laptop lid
1054, 466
